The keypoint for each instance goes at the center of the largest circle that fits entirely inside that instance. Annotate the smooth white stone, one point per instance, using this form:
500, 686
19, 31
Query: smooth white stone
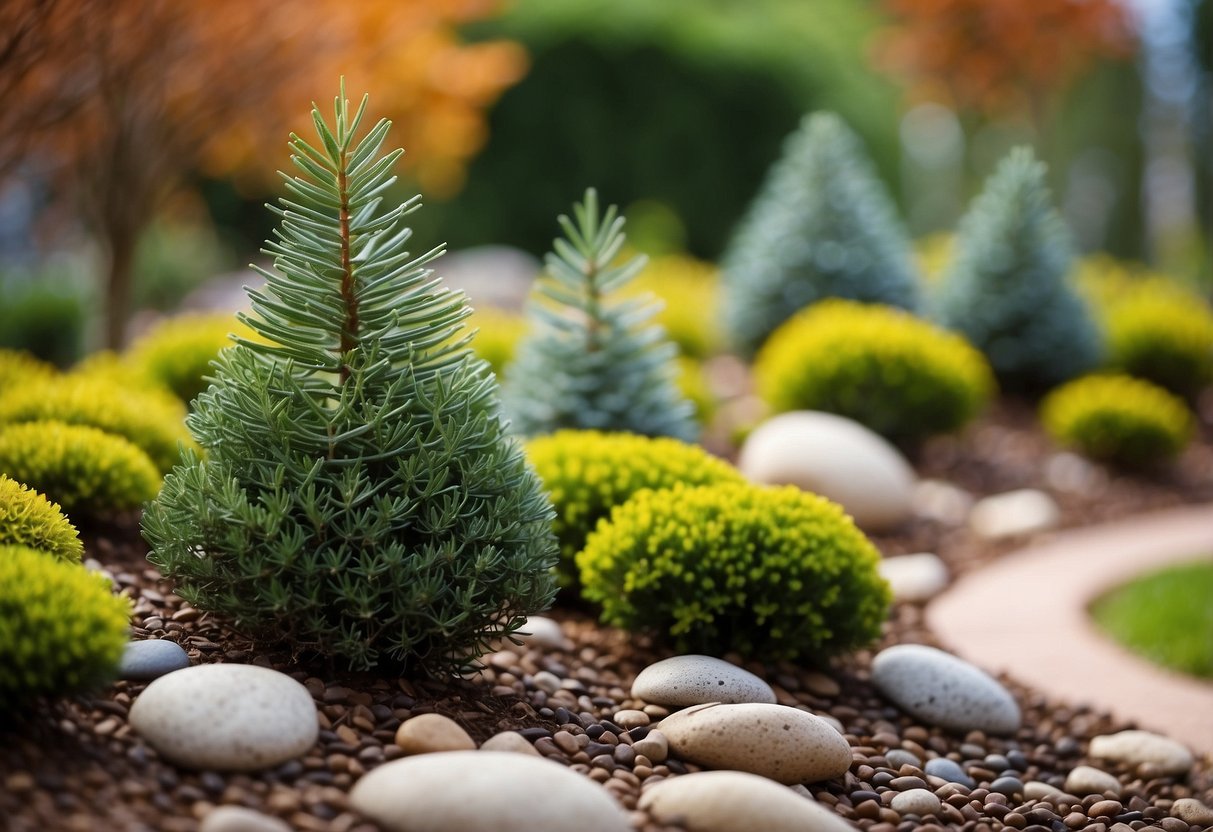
239, 819
542, 632
916, 802
944, 690
1014, 513
775, 741
1085, 780
1139, 747
227, 717
680, 681
835, 457
727, 801
915, 578
941, 501
488, 791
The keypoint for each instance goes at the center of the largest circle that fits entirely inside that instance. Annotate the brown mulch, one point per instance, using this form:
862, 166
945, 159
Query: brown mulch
76, 765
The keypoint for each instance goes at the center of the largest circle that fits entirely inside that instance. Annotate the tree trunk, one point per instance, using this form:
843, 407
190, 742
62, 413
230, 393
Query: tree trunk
119, 283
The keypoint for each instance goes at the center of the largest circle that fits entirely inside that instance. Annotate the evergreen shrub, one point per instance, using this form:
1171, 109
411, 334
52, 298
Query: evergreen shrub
18, 368
28, 519
62, 630
84, 469
821, 226
587, 473
178, 352
1163, 337
1118, 419
593, 359
896, 374
360, 496
772, 573
1006, 288
148, 419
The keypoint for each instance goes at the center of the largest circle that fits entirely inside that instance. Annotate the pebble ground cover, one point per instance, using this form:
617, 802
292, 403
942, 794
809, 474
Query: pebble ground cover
355, 505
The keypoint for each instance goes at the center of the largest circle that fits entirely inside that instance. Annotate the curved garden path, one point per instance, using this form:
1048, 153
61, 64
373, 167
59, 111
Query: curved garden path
1026, 615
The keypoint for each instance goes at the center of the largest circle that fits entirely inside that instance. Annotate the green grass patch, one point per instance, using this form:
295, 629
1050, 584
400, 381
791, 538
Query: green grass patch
1166, 616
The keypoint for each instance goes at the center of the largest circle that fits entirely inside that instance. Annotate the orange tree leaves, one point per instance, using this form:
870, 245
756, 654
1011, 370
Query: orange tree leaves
118, 102
1000, 56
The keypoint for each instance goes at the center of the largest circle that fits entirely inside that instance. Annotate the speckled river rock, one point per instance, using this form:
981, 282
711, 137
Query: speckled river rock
680, 681
486, 791
775, 741
227, 717
728, 801
944, 690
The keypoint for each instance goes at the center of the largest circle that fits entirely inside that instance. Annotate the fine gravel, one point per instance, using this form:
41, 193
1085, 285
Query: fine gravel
76, 765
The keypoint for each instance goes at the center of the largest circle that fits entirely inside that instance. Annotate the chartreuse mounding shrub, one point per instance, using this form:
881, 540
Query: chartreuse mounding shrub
587, 473
84, 469
882, 367
1006, 288
1118, 419
28, 519
360, 496
178, 352
17, 368
152, 421
1164, 339
689, 290
497, 333
593, 359
772, 573
62, 630
821, 226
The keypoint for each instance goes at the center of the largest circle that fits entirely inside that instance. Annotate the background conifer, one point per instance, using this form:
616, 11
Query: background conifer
1007, 288
592, 359
359, 495
822, 225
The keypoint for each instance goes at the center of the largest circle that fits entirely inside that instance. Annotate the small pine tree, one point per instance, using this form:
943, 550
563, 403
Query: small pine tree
589, 360
1006, 289
360, 496
821, 226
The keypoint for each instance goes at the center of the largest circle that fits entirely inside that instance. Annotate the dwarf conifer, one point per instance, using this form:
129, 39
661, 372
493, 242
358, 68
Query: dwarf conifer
592, 359
822, 225
359, 495
1006, 290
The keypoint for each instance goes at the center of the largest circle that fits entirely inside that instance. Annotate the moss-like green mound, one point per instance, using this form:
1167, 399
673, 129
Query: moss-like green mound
62, 630
587, 473
28, 519
17, 368
773, 573
151, 421
177, 353
896, 374
83, 469
1118, 419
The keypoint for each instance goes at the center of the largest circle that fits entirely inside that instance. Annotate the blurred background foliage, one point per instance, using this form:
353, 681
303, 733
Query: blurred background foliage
139, 137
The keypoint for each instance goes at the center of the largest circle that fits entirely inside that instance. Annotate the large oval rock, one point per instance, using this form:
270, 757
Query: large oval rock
775, 741
489, 791
428, 733
944, 690
680, 681
835, 457
1014, 513
228, 717
1139, 747
725, 801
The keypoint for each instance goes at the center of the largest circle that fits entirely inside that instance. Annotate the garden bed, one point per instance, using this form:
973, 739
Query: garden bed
78, 765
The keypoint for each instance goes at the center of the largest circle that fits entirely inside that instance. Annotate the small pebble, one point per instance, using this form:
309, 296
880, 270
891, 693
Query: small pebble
1193, 811
510, 741
915, 801
1138, 747
897, 758
1007, 786
680, 681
